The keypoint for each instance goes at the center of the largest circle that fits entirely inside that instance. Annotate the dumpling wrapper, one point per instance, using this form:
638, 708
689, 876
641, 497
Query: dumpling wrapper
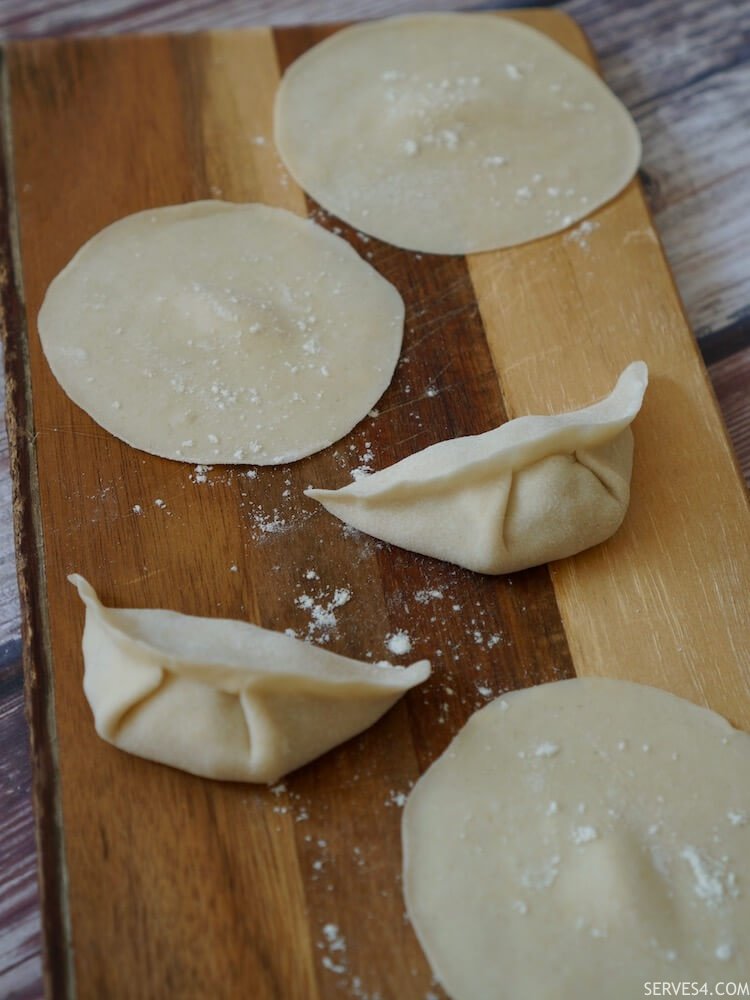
535, 489
452, 133
221, 698
578, 839
213, 332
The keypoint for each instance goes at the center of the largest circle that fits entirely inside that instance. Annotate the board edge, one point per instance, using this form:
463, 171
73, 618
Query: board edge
39, 698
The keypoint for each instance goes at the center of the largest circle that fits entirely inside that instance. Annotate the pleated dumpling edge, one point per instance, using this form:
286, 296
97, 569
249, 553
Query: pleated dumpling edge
222, 698
535, 489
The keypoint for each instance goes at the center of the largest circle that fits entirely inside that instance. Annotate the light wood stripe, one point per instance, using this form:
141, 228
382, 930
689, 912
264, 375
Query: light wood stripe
667, 600
239, 74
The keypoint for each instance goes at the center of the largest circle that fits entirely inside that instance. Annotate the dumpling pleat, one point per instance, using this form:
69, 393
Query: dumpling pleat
225, 699
532, 490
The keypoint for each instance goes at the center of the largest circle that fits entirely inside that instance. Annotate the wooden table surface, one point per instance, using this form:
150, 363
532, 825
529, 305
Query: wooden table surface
683, 70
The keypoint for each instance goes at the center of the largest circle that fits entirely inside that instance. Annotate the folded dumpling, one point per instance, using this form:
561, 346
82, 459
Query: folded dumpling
225, 699
535, 489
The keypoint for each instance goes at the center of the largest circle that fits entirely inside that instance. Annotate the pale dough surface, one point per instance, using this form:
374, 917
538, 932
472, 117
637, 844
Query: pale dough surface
578, 839
223, 698
452, 133
534, 489
220, 333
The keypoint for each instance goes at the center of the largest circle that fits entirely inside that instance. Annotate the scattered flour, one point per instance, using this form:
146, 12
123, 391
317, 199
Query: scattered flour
425, 596
580, 234
365, 463
713, 879
334, 939
289, 802
322, 608
584, 834
335, 945
341, 596
338, 967
398, 643
200, 474
396, 799
544, 877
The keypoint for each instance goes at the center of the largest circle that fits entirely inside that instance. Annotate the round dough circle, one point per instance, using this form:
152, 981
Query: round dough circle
452, 133
581, 838
221, 333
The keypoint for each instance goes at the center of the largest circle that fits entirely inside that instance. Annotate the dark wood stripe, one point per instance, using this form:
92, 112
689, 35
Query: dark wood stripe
186, 52
445, 350
58, 966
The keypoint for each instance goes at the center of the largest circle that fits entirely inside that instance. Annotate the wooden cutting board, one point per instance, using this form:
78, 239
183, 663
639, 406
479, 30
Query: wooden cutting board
158, 884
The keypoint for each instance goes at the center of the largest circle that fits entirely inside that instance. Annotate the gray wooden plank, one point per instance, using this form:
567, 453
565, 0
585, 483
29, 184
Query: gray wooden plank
27, 20
731, 379
20, 931
697, 153
649, 49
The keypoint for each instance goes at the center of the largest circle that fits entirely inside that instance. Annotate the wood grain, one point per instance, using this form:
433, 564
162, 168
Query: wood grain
20, 940
26, 519
681, 68
201, 887
612, 301
683, 71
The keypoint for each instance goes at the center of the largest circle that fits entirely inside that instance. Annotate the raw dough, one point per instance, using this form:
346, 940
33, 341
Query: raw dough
581, 838
452, 133
214, 332
532, 490
225, 699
